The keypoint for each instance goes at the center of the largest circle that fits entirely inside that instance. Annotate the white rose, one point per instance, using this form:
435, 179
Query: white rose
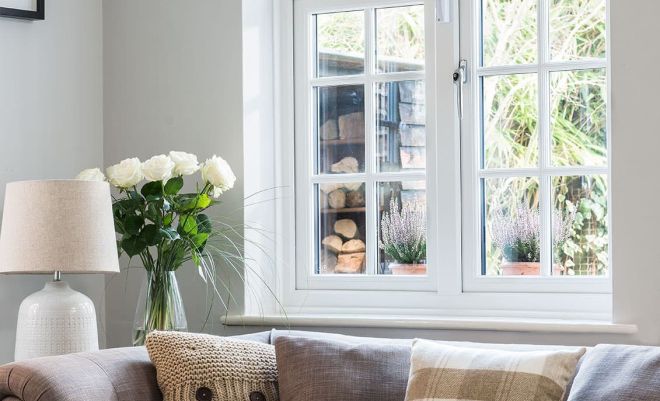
158, 168
216, 192
184, 163
216, 171
125, 174
91, 174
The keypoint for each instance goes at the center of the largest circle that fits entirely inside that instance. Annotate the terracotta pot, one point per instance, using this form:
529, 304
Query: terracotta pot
401, 269
527, 269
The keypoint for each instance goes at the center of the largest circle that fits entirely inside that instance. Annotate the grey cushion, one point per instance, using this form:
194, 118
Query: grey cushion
618, 372
342, 368
260, 337
120, 374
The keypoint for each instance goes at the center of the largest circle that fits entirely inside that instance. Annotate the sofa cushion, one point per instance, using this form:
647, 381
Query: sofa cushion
201, 367
119, 374
382, 343
618, 372
342, 369
445, 372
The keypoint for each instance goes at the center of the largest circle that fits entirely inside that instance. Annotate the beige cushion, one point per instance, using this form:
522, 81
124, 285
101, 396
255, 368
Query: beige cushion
444, 372
200, 367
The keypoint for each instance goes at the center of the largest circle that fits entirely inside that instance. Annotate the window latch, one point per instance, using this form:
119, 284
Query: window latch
442, 11
460, 79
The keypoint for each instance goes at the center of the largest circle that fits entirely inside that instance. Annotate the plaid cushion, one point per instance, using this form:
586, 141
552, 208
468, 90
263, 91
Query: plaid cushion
444, 372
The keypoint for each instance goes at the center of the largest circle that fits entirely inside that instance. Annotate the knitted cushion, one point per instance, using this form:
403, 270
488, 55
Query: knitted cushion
200, 367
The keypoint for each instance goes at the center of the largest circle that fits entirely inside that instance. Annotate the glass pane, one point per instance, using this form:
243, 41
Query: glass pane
402, 228
400, 129
510, 114
579, 118
512, 227
340, 44
340, 228
400, 38
509, 32
580, 229
340, 129
577, 29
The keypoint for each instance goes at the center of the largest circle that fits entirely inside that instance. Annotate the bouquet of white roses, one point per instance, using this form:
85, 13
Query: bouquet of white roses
166, 228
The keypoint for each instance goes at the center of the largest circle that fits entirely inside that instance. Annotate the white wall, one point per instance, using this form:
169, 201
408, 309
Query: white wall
635, 144
172, 81
51, 121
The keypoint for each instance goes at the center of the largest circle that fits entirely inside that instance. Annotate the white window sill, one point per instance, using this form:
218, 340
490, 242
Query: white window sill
452, 323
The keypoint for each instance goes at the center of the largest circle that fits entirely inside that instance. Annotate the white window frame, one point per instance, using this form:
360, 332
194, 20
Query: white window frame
305, 84
367, 296
473, 280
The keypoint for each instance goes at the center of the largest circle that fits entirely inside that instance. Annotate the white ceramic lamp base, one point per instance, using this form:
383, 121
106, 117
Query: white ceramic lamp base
54, 321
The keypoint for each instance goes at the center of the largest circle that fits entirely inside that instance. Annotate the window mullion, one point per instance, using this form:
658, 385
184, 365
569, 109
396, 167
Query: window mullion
544, 138
370, 147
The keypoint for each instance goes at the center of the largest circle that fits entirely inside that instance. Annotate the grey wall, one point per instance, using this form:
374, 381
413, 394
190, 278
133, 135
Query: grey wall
172, 81
51, 121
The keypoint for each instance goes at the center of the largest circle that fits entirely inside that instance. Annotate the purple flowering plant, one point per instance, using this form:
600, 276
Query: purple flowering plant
517, 232
403, 232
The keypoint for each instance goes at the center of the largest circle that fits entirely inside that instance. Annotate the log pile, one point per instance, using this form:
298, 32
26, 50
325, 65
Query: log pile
343, 251
341, 196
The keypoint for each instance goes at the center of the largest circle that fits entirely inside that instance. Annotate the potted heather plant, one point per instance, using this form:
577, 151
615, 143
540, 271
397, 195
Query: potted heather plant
403, 237
516, 235
165, 228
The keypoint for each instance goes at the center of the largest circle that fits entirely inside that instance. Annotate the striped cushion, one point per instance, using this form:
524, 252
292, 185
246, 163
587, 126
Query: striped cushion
444, 372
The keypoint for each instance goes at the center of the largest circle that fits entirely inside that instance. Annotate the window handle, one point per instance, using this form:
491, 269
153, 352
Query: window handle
460, 79
442, 11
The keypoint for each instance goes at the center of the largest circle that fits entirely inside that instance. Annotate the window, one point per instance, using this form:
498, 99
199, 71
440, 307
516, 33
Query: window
537, 201
361, 140
510, 169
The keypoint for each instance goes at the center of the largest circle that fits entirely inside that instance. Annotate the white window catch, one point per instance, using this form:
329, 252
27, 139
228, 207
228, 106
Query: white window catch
460, 79
442, 11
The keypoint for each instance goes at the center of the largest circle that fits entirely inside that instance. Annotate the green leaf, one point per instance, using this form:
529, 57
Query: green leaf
169, 233
153, 212
167, 220
187, 225
133, 245
173, 185
204, 224
126, 206
152, 190
200, 239
201, 201
150, 234
133, 224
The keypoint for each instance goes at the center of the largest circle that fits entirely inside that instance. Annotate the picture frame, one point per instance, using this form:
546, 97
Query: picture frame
24, 9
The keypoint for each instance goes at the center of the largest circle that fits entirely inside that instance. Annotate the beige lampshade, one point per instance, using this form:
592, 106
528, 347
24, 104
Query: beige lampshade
58, 225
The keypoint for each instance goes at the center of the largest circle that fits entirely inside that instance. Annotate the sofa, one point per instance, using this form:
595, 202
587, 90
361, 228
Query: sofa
606, 372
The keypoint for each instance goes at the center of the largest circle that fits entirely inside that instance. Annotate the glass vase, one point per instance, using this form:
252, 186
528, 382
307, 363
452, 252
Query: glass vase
159, 307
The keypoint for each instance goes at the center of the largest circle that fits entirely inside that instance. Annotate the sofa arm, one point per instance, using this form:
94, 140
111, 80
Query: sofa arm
120, 374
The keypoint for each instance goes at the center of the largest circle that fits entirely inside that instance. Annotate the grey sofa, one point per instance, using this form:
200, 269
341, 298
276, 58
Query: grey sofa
606, 372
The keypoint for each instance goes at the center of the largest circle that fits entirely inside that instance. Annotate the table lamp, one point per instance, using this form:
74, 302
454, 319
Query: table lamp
57, 226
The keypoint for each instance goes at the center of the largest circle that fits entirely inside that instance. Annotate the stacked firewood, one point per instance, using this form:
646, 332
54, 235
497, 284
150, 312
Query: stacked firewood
343, 251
